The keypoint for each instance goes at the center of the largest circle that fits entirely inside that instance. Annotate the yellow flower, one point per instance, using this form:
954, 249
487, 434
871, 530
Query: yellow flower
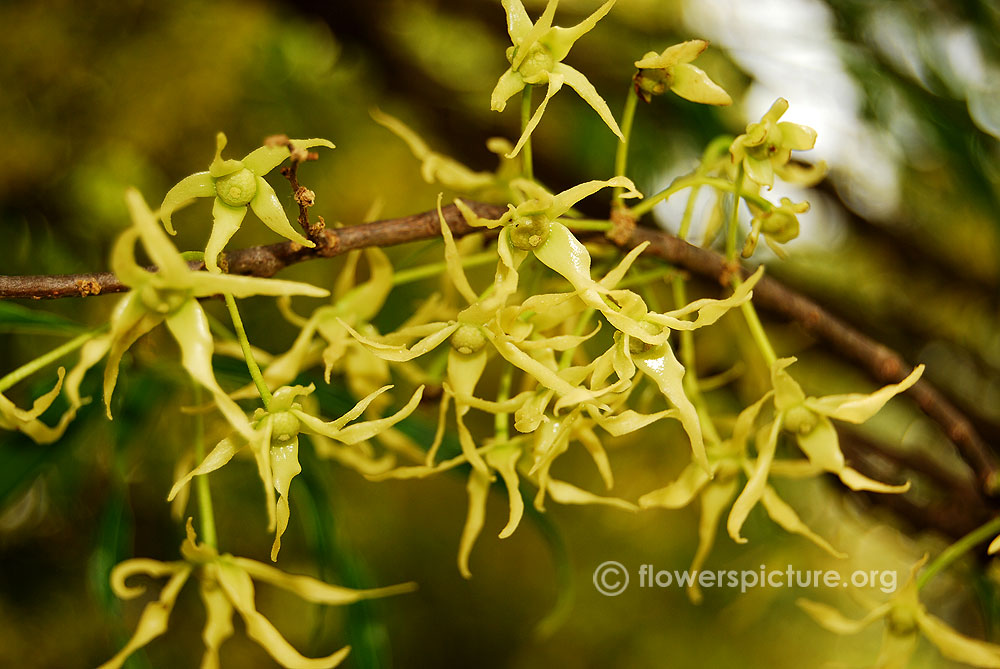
809, 420
672, 69
226, 585
779, 225
27, 420
906, 619
765, 149
536, 58
169, 295
235, 185
275, 446
715, 490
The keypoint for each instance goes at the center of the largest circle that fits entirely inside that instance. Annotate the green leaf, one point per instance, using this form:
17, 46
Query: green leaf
22, 320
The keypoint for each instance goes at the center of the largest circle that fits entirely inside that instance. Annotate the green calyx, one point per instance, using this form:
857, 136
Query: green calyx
238, 188
468, 339
536, 65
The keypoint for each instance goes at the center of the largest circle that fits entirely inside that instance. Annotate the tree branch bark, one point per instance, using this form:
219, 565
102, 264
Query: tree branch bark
882, 363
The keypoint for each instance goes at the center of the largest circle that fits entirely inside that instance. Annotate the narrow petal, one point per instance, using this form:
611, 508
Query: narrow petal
216, 459
199, 184
154, 619
218, 621
857, 481
714, 500
226, 222
787, 392
784, 515
478, 488
680, 492
566, 493
561, 40
402, 353
206, 285
709, 310
957, 646
220, 167
358, 432
313, 590
266, 158
555, 82
857, 407
797, 137
128, 324
833, 620
239, 589
565, 200
453, 260
158, 246
189, 326
269, 210
822, 446
509, 84
667, 372
284, 467
505, 460
518, 23
586, 90
684, 52
540, 27
756, 484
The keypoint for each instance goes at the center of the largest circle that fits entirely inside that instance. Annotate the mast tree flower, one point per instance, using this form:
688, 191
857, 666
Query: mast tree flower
275, 446
226, 585
765, 149
27, 420
536, 58
808, 419
906, 620
235, 185
672, 69
168, 295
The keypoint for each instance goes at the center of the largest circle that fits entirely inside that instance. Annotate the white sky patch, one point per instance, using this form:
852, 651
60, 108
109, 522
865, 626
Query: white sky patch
788, 46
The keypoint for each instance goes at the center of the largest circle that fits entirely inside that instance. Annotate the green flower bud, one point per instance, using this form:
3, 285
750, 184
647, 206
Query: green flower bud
238, 188
468, 339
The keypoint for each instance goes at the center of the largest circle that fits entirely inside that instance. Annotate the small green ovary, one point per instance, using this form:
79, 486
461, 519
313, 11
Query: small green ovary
468, 339
238, 188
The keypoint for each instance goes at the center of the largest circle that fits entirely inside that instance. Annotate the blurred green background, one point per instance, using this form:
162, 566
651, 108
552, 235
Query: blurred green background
903, 241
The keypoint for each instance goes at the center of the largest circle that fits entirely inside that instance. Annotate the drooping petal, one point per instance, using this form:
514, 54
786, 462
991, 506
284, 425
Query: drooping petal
478, 488
313, 590
955, 646
509, 84
858, 407
226, 222
269, 210
26, 421
189, 326
822, 446
358, 432
680, 492
236, 583
784, 515
129, 322
756, 483
567, 493
504, 460
154, 619
205, 284
453, 260
833, 620
714, 500
402, 353
586, 90
284, 467
555, 82
660, 365
199, 184
218, 621
857, 481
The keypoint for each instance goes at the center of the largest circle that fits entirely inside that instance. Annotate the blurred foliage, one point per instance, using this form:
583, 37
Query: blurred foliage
100, 96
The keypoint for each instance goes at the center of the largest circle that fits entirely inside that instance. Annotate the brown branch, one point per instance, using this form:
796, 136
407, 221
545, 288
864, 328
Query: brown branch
882, 363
